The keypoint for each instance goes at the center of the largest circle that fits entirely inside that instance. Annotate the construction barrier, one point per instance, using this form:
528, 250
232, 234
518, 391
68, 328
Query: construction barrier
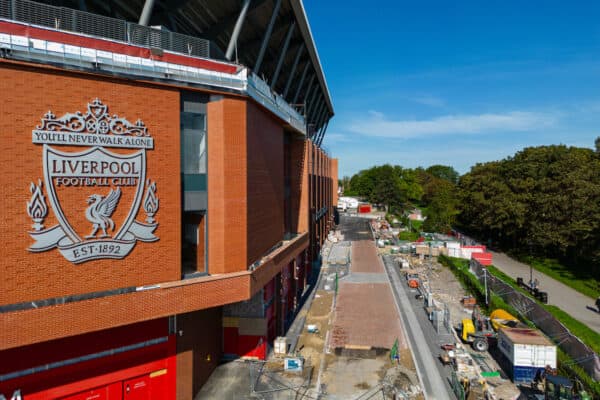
581, 354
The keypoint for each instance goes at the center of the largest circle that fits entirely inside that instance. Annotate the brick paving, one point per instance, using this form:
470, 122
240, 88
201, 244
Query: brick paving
364, 257
366, 313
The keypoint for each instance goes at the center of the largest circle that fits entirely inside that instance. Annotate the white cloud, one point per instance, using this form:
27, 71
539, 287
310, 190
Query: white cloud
376, 124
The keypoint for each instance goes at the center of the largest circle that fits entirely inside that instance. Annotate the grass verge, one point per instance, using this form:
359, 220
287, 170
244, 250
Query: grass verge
410, 236
584, 284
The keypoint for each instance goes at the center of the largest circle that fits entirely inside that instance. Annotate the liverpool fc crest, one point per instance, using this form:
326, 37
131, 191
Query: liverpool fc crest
95, 194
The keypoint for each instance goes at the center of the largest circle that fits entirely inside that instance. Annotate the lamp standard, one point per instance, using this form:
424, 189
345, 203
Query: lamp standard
429, 265
530, 245
485, 284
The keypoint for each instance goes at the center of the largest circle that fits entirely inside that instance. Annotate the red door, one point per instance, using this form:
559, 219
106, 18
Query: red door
137, 388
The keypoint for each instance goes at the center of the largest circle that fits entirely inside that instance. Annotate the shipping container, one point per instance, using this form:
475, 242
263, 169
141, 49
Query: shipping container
482, 258
527, 351
364, 208
454, 252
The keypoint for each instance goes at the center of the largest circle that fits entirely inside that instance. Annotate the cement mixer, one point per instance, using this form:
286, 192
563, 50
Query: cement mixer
503, 319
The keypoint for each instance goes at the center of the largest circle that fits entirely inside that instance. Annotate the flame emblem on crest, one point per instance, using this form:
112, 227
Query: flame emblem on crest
36, 208
150, 202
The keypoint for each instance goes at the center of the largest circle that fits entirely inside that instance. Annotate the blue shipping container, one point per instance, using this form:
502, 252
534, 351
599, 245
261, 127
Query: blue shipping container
517, 373
524, 374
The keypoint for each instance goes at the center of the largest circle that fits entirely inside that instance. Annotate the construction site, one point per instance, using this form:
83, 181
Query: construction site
384, 325
347, 342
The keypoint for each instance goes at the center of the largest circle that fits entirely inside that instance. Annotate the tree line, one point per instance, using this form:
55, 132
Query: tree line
543, 200
399, 189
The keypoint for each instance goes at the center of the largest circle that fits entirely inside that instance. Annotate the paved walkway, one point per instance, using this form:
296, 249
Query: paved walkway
569, 300
365, 314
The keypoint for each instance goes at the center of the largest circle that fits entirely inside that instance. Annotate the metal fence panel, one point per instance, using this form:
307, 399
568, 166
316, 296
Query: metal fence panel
46, 15
546, 322
190, 45
5, 9
101, 26
457, 387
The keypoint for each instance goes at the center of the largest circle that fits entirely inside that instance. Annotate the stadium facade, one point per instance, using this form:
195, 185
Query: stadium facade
165, 193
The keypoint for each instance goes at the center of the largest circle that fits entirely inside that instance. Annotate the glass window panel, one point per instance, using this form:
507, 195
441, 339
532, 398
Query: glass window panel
193, 143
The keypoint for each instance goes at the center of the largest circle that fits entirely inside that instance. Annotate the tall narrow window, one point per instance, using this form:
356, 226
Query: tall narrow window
193, 183
190, 248
193, 255
193, 142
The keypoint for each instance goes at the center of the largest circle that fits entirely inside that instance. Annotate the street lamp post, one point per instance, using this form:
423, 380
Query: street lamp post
429, 260
485, 284
530, 266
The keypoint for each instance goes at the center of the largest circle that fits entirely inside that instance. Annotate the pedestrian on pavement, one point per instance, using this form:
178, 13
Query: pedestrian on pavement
598, 303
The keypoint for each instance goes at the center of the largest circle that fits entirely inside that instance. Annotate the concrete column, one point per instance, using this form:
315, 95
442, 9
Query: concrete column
236, 30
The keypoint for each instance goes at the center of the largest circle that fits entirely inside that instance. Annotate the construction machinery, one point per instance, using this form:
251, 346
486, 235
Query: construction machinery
556, 387
503, 319
478, 330
412, 279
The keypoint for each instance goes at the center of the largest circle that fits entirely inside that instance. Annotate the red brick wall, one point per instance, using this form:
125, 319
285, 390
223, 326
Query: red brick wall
265, 183
299, 185
322, 189
201, 250
37, 325
27, 94
227, 186
334, 181
245, 184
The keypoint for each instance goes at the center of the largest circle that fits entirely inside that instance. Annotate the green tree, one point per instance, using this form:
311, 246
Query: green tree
344, 183
410, 187
545, 199
443, 208
386, 188
444, 172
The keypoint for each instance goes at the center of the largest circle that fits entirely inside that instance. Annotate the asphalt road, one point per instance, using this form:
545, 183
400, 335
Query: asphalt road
572, 302
421, 340
354, 228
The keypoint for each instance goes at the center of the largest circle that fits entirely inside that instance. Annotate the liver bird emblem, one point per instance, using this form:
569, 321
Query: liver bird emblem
99, 211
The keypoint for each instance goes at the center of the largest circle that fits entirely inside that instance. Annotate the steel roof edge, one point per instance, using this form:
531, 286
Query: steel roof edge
302, 19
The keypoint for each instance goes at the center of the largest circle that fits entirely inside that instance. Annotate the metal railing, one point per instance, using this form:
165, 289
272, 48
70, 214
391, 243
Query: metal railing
68, 19
81, 22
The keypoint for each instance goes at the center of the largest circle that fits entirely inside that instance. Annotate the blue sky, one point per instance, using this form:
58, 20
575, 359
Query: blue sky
417, 83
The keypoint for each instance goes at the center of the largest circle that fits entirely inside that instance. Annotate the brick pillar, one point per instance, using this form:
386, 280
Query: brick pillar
227, 189
299, 196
